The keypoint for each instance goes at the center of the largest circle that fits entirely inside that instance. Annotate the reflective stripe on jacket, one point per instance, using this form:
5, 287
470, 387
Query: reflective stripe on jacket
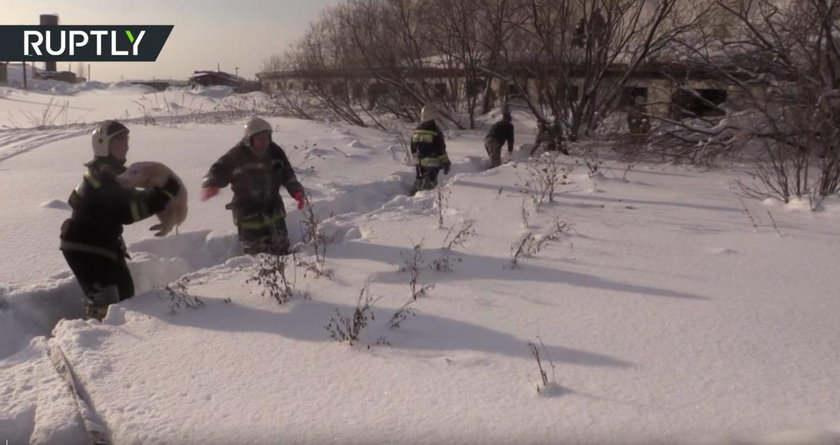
101, 207
428, 145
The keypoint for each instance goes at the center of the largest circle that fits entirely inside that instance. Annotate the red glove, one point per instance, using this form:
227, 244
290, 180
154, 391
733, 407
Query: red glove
298, 195
209, 192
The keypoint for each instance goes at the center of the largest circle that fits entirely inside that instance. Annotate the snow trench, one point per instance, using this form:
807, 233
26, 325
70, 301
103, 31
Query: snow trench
34, 310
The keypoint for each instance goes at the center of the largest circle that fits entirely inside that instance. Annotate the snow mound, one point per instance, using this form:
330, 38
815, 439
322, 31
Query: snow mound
34, 310
91, 86
40, 410
130, 88
214, 92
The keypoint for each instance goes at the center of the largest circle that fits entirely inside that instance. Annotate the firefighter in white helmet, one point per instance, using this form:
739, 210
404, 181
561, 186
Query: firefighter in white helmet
91, 239
256, 168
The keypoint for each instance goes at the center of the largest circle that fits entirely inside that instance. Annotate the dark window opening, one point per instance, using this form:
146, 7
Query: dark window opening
439, 90
339, 89
358, 89
475, 87
513, 90
634, 101
571, 92
687, 103
634, 97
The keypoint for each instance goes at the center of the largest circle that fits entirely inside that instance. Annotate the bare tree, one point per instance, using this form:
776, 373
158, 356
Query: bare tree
494, 37
570, 60
289, 99
455, 31
783, 60
392, 41
398, 55
325, 52
274, 63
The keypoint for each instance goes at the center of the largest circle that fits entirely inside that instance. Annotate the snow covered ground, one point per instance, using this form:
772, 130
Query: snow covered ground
667, 312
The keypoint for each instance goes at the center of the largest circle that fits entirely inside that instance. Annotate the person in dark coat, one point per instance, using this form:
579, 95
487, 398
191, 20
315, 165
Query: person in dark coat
91, 239
429, 149
256, 168
549, 138
499, 133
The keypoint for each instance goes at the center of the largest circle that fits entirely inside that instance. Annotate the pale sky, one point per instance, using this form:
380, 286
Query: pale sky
233, 33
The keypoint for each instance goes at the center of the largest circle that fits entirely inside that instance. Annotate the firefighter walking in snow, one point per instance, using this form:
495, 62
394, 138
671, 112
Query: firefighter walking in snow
91, 239
429, 149
500, 132
255, 169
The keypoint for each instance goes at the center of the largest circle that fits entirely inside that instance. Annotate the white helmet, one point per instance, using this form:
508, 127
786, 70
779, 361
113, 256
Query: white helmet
102, 136
254, 126
428, 113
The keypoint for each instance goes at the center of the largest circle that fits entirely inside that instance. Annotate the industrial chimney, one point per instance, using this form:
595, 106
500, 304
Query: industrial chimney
49, 20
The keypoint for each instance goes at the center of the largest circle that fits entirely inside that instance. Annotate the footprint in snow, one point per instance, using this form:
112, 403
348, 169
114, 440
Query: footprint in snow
723, 251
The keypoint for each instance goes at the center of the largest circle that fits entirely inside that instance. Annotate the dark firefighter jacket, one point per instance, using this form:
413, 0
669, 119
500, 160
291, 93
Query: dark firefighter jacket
502, 131
428, 146
255, 181
101, 207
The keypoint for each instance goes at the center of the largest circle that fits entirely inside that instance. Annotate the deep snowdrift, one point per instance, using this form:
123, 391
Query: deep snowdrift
669, 316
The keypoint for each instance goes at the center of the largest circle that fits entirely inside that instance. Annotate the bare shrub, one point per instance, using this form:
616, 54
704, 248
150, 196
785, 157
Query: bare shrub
545, 174
48, 116
294, 103
314, 236
446, 263
519, 247
591, 160
402, 314
275, 277
525, 213
148, 119
547, 384
441, 199
457, 237
349, 327
530, 244
632, 151
702, 141
413, 263
179, 296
